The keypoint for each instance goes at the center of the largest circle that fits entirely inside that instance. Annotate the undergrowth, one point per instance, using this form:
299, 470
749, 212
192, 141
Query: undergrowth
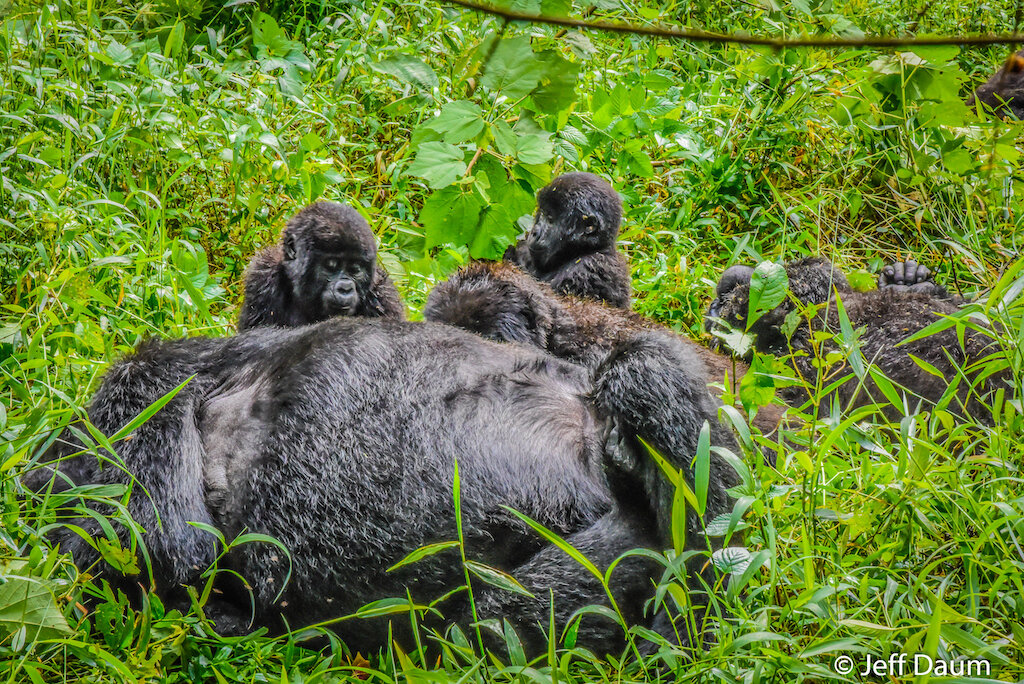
146, 152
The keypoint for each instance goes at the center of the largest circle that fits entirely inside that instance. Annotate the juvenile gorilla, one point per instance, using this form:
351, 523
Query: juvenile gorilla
326, 265
500, 302
341, 440
906, 302
1004, 91
571, 245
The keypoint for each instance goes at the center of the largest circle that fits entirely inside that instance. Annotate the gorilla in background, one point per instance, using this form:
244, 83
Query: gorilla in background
906, 302
326, 265
340, 440
571, 245
1004, 91
502, 303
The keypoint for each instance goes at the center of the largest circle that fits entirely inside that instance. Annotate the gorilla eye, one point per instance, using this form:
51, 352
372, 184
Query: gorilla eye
357, 270
331, 263
589, 224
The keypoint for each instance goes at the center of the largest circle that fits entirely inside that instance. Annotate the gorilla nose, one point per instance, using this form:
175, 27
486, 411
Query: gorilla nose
344, 287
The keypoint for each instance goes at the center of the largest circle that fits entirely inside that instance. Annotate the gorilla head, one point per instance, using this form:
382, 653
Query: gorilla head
811, 280
577, 214
571, 245
325, 266
329, 255
1004, 91
496, 301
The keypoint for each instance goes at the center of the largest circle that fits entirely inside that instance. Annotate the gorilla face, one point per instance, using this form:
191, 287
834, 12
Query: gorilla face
577, 214
325, 266
329, 256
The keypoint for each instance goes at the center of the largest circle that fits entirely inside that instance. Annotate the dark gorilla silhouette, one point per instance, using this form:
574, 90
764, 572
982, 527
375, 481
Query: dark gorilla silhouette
571, 245
1003, 93
905, 303
326, 265
340, 439
500, 302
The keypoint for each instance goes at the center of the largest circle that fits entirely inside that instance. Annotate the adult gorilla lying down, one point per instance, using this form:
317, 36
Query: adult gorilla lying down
340, 440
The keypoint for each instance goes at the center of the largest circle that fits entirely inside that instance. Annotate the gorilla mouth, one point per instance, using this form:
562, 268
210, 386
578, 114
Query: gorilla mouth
341, 306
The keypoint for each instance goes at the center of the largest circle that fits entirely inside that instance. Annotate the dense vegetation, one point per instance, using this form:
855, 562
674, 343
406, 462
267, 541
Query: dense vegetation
147, 150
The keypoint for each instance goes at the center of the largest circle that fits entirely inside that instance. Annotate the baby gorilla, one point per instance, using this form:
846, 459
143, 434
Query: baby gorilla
502, 303
326, 265
571, 245
1004, 91
906, 302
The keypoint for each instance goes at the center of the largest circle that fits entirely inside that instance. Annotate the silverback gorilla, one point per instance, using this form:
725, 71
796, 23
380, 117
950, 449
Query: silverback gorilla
571, 245
326, 265
340, 439
907, 301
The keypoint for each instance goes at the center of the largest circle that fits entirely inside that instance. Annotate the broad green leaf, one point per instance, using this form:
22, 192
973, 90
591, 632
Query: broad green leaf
438, 163
269, 39
458, 122
408, 69
731, 559
30, 604
533, 144
557, 89
757, 386
768, 286
451, 216
512, 69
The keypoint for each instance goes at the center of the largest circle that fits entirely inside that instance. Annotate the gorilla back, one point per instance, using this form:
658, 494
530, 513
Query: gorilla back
341, 440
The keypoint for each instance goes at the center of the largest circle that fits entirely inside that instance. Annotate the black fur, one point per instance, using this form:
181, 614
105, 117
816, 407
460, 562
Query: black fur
905, 304
500, 302
326, 265
340, 439
1004, 91
571, 245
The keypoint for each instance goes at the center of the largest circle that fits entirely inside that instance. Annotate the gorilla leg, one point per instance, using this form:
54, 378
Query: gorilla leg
574, 586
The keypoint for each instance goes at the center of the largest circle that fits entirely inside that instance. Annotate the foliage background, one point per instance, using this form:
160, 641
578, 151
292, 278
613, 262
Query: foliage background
148, 150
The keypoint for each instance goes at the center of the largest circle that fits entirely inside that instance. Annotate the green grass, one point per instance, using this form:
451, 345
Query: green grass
146, 152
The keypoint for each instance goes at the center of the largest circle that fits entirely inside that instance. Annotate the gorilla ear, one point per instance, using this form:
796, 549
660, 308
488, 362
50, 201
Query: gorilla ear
289, 248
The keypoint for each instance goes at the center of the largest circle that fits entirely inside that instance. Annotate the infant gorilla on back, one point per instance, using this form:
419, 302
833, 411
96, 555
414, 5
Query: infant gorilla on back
326, 265
571, 245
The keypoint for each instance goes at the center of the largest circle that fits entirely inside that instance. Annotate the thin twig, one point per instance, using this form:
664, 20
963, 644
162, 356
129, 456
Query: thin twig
711, 37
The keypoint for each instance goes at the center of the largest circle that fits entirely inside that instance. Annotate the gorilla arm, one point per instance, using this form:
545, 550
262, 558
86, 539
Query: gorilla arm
265, 292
